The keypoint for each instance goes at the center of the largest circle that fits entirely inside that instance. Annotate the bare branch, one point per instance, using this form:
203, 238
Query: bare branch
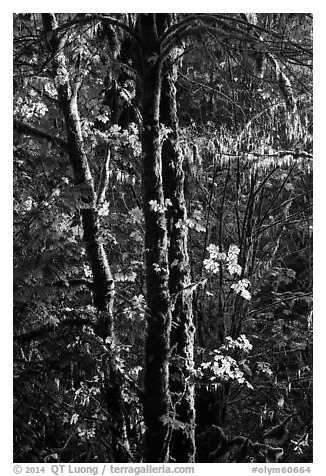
104, 179
24, 128
206, 86
43, 330
224, 21
95, 16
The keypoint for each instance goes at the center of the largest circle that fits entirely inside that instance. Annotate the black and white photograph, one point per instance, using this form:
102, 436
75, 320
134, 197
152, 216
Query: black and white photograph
162, 239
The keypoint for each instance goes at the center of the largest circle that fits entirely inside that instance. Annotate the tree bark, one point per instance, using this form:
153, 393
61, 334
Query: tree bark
182, 445
103, 289
156, 399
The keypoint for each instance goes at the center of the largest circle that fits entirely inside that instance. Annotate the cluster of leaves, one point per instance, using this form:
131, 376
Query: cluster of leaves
223, 367
215, 260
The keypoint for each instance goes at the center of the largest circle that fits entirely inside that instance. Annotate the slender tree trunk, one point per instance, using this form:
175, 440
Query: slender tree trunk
182, 445
156, 400
103, 291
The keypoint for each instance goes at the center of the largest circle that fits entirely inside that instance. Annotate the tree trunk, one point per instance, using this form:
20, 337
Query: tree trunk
156, 400
103, 290
182, 445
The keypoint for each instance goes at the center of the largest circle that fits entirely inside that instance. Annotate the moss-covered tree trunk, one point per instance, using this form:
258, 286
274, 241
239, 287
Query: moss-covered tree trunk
103, 289
156, 400
182, 446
